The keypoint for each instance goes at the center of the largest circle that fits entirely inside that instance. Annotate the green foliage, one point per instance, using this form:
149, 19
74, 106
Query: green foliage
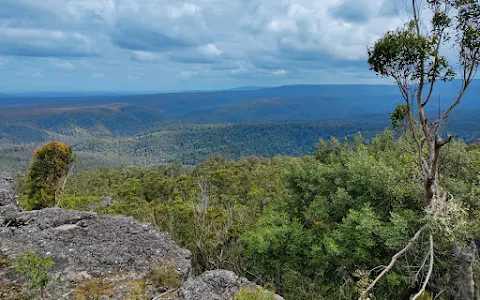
347, 210
165, 277
399, 53
35, 269
254, 294
312, 227
85, 203
192, 144
50, 166
425, 296
206, 208
399, 116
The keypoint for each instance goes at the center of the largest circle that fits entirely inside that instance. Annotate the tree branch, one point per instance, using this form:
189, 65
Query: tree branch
58, 197
430, 271
452, 106
440, 144
392, 263
435, 62
467, 79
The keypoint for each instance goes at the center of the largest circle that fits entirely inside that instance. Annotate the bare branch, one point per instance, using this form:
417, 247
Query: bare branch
468, 74
440, 144
58, 196
410, 244
424, 262
452, 106
430, 271
435, 63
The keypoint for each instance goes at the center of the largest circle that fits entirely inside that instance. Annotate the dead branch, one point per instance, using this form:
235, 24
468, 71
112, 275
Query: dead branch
58, 196
430, 270
424, 262
444, 142
392, 263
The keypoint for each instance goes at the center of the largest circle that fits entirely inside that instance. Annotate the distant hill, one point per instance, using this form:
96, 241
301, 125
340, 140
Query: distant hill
140, 113
106, 119
280, 103
25, 120
191, 144
246, 88
190, 126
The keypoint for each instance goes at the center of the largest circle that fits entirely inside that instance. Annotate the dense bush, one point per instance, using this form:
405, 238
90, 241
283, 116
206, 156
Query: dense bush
48, 171
315, 227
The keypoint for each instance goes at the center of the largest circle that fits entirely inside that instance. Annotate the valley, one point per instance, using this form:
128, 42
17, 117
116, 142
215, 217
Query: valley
144, 130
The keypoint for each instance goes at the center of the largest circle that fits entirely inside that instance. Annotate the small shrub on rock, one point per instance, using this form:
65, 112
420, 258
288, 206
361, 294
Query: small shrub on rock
35, 269
254, 294
166, 277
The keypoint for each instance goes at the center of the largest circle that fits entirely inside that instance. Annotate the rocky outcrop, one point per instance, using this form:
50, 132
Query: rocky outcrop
85, 242
215, 285
100, 257
7, 193
8, 200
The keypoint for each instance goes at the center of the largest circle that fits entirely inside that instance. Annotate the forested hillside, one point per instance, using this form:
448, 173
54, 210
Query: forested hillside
111, 130
191, 144
315, 227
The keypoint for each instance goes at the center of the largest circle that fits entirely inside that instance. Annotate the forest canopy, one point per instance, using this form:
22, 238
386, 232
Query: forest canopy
314, 227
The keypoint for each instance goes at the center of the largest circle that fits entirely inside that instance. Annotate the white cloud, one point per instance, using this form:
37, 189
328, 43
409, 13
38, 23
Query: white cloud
279, 73
220, 39
144, 56
185, 74
182, 10
64, 65
36, 75
96, 10
210, 49
282, 25
98, 75
44, 43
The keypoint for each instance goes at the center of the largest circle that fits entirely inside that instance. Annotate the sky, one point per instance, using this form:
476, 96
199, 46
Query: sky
167, 45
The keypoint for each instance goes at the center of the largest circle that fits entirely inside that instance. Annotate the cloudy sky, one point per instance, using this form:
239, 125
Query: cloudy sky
161, 45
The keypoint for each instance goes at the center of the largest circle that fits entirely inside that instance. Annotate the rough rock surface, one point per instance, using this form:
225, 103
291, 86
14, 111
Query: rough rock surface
215, 285
84, 245
99, 257
8, 200
83, 241
7, 193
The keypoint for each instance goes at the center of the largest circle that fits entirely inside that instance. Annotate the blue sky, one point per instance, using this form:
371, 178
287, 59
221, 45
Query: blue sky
162, 45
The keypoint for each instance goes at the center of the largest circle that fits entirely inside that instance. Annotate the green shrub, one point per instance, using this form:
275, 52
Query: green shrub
47, 174
35, 269
166, 277
254, 294
83, 203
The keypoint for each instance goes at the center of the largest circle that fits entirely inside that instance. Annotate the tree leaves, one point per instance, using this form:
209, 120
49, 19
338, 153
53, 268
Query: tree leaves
51, 164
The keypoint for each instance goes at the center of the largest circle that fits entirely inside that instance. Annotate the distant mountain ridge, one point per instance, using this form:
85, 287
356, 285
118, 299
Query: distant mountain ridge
136, 114
157, 128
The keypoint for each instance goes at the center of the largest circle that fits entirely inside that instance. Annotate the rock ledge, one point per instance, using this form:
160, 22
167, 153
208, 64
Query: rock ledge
104, 257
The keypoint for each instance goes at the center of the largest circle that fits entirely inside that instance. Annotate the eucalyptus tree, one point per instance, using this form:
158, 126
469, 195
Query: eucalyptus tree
440, 43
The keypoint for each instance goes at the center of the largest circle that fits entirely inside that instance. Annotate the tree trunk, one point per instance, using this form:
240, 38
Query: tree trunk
464, 257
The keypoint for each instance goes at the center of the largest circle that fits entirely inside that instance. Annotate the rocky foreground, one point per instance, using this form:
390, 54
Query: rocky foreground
101, 257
